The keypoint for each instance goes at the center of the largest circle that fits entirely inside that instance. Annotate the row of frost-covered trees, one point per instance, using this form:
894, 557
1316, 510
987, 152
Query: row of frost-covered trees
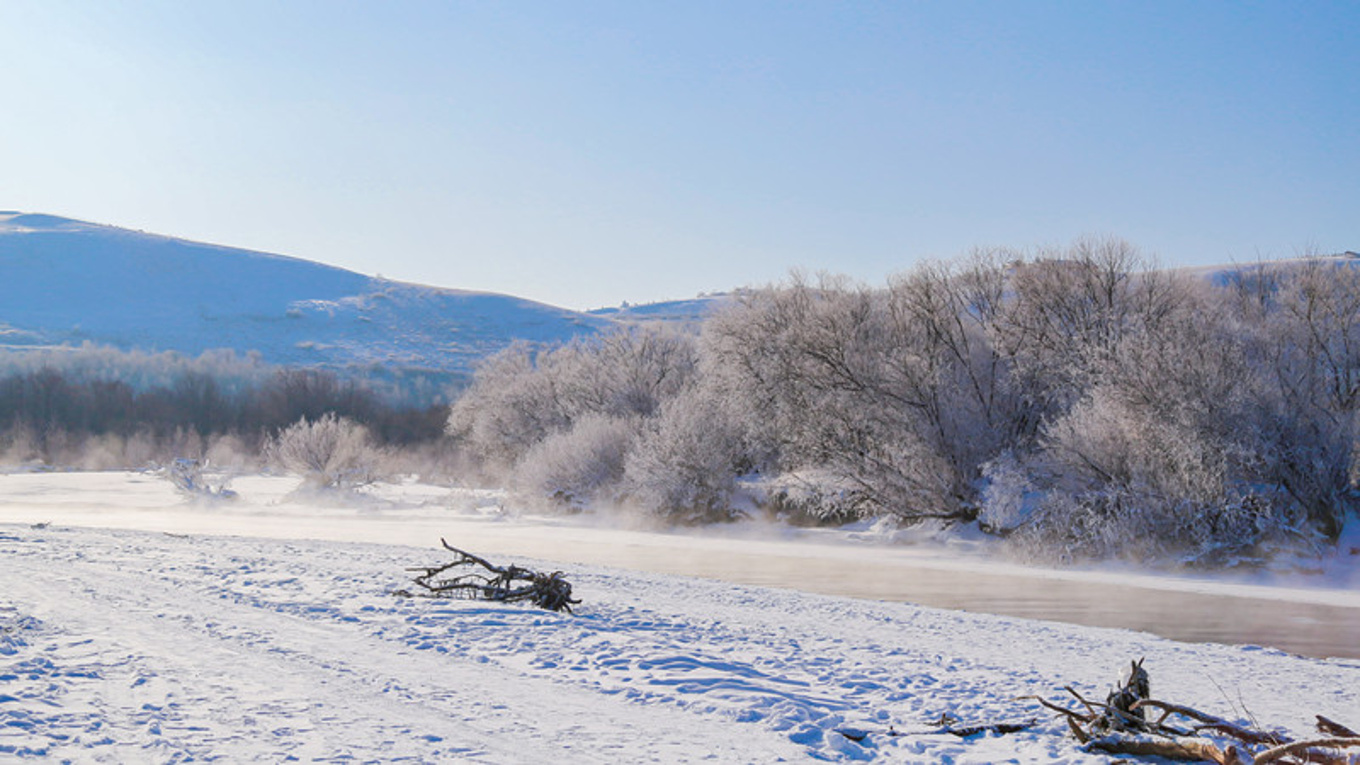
1079, 402
105, 409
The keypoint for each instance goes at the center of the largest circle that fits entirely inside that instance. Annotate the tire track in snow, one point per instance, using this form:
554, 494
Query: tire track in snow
653, 668
184, 667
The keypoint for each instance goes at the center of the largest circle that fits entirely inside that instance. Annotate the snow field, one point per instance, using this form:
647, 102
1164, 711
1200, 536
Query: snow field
140, 646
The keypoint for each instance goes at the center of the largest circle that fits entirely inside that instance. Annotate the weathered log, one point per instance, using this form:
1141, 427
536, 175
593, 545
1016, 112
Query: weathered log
1188, 749
1121, 713
1090, 705
1310, 749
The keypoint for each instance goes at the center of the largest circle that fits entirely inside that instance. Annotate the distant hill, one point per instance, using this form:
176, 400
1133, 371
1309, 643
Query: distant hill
64, 281
1223, 274
688, 312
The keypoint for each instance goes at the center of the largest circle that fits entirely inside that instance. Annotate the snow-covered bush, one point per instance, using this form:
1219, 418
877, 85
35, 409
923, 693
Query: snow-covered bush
684, 467
812, 497
188, 477
575, 467
1168, 455
1301, 325
1141, 527
329, 452
558, 423
511, 405
630, 372
1009, 495
1069, 309
523, 395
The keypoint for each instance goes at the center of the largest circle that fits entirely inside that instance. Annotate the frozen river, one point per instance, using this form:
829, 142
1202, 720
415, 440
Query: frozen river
1317, 622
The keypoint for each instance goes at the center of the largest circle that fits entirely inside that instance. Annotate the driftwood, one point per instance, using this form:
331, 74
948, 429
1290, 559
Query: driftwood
1189, 749
471, 577
1131, 722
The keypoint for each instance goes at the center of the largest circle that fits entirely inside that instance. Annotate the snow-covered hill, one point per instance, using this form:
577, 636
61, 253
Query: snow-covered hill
64, 281
690, 312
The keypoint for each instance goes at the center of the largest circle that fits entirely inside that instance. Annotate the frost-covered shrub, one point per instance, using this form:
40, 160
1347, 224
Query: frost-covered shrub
189, 478
525, 395
1104, 441
1113, 524
629, 372
1167, 454
574, 467
327, 452
812, 497
684, 466
511, 405
1009, 495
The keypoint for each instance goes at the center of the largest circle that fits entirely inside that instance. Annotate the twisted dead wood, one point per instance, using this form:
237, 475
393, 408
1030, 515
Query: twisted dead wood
472, 577
1123, 726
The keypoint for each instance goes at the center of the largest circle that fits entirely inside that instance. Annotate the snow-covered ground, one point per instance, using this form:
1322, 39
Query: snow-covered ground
264, 629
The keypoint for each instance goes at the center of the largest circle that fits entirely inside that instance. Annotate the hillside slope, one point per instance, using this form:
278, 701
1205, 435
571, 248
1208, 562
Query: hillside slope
64, 281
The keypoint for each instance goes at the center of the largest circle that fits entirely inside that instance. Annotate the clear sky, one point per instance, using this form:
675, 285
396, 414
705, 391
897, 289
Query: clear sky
585, 153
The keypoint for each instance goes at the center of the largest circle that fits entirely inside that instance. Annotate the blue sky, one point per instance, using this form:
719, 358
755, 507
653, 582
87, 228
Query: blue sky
588, 153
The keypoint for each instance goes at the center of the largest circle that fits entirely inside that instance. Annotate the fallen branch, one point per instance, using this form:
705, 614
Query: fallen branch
1214, 723
1123, 726
487, 581
1062, 710
999, 729
1309, 751
950, 729
1334, 728
1171, 748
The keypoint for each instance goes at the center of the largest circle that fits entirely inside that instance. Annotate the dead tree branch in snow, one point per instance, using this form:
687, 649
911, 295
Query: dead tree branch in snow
471, 577
946, 726
1333, 728
1128, 723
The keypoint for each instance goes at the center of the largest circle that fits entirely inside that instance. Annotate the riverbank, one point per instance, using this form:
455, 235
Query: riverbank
1314, 615
135, 645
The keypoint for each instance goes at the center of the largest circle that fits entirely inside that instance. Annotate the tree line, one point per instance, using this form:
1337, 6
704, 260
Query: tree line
59, 416
1077, 401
